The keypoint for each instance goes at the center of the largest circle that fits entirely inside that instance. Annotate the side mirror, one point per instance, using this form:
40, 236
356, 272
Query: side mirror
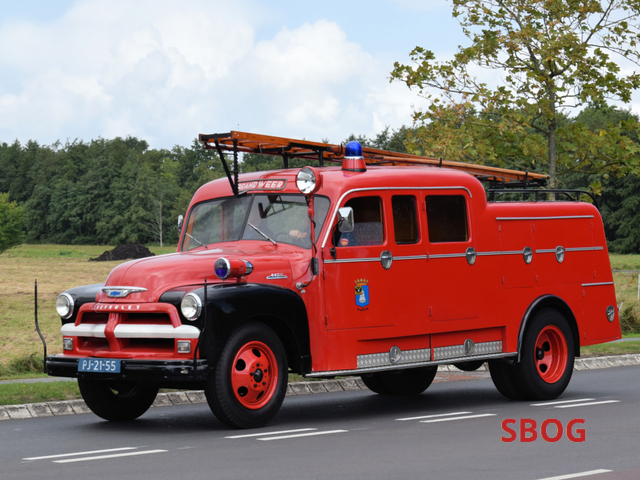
180, 220
345, 219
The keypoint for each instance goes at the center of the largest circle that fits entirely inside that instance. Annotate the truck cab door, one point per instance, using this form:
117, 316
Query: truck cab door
355, 278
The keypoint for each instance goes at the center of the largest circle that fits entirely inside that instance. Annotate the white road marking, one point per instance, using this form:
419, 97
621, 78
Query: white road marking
75, 454
587, 404
115, 455
431, 416
271, 433
284, 437
458, 418
559, 403
577, 475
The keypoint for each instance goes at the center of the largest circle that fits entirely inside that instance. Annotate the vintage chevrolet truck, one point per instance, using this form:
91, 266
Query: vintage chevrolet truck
382, 266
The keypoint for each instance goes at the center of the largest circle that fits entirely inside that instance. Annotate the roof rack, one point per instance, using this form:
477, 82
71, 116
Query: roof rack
242, 142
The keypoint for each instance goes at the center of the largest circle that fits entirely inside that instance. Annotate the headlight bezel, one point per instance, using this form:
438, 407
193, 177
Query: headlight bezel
193, 309
69, 304
308, 180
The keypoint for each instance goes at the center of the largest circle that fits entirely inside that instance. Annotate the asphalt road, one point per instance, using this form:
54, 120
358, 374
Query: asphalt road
453, 431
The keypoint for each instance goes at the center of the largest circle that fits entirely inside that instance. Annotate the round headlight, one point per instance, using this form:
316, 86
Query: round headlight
191, 306
306, 180
222, 268
64, 305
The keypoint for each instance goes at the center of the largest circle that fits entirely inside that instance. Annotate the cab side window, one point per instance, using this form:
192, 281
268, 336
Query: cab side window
405, 223
447, 218
368, 225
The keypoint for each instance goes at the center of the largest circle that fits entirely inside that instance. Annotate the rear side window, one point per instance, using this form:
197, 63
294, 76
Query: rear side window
447, 218
405, 223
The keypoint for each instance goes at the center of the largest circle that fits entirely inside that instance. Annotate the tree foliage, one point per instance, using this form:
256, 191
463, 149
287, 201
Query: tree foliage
104, 191
551, 55
11, 223
620, 194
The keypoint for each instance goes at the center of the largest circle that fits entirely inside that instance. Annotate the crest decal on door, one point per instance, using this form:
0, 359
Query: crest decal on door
362, 292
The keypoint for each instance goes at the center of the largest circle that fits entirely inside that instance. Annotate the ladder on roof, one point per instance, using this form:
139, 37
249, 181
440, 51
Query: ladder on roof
243, 142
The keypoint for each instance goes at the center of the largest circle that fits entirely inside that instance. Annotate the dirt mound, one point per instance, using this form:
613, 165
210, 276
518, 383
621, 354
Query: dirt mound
124, 252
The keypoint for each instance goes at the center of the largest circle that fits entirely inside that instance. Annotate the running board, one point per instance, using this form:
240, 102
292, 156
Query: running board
403, 366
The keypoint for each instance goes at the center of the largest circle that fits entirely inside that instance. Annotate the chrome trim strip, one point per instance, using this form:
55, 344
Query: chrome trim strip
358, 371
352, 260
155, 331
575, 249
408, 357
448, 255
122, 292
130, 331
459, 255
506, 252
83, 330
567, 217
371, 189
596, 284
458, 351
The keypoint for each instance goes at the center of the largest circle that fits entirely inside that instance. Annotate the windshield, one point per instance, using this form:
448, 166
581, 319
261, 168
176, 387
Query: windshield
281, 218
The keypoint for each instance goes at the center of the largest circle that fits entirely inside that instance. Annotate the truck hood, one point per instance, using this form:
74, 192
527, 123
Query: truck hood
272, 264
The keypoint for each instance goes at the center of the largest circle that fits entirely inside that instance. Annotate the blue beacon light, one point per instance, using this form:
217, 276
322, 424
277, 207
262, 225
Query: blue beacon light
353, 159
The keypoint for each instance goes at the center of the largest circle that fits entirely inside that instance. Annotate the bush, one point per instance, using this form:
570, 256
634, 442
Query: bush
11, 223
23, 365
630, 319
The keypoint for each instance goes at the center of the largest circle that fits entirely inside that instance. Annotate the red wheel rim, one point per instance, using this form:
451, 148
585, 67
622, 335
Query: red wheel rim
254, 375
551, 354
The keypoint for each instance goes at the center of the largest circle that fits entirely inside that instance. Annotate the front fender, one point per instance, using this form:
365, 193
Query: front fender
231, 305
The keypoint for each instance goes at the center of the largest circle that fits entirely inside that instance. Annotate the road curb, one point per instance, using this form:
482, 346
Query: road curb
73, 407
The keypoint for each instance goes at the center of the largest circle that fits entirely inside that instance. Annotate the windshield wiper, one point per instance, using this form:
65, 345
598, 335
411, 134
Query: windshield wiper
194, 238
263, 234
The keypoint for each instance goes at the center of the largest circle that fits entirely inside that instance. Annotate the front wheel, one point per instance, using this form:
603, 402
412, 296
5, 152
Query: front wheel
547, 356
249, 382
117, 400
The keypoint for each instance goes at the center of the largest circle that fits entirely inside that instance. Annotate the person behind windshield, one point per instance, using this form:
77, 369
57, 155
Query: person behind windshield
303, 232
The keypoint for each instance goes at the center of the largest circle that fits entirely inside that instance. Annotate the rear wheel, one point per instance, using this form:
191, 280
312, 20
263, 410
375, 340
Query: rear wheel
547, 356
470, 366
373, 381
249, 383
412, 381
117, 400
505, 378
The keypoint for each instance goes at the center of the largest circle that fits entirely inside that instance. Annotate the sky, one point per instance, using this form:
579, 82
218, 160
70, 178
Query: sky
165, 71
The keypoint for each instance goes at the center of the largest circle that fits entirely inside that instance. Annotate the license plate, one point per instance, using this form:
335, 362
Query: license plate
99, 365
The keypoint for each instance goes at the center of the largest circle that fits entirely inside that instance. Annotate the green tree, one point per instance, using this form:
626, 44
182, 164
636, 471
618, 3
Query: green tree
11, 223
620, 194
552, 54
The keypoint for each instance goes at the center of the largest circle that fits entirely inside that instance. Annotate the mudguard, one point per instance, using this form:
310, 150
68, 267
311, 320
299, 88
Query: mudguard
230, 305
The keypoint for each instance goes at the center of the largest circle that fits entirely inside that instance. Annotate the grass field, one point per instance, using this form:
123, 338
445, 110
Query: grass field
56, 268
59, 267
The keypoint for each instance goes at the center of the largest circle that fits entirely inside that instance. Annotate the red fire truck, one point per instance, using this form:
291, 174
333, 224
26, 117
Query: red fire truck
383, 266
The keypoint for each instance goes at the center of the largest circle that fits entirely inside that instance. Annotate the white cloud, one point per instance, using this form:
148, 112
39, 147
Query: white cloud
166, 71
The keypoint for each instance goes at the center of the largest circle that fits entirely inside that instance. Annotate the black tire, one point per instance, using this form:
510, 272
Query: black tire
373, 381
411, 381
232, 395
117, 400
470, 366
505, 378
547, 356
